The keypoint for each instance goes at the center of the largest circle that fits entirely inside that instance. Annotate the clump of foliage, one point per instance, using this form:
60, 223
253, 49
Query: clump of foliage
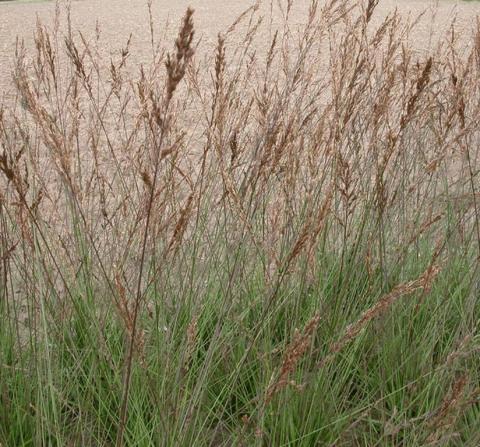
254, 248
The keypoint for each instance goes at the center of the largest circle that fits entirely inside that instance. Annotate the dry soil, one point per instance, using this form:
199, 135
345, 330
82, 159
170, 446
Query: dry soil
118, 18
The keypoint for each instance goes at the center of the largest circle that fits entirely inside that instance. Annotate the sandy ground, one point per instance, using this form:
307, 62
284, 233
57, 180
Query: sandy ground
118, 18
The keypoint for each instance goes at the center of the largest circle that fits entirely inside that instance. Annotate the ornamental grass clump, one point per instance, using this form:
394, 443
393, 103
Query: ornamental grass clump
270, 240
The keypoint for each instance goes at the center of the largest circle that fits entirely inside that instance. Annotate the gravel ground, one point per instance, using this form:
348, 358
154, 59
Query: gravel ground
118, 18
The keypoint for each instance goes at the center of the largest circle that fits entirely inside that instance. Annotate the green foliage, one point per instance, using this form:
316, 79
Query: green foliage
297, 268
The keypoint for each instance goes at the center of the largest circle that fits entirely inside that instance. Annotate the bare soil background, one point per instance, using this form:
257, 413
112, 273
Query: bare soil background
117, 19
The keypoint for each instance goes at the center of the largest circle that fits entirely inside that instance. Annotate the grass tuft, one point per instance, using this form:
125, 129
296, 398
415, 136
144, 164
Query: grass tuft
230, 246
